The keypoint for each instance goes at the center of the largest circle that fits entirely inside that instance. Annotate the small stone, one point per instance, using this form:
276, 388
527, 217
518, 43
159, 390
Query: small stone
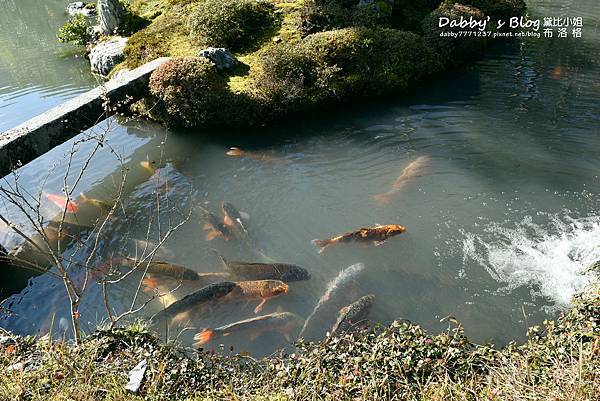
15, 367
221, 58
79, 7
106, 55
136, 376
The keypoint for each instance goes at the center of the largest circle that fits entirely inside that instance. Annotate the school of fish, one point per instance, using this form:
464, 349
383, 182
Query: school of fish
339, 309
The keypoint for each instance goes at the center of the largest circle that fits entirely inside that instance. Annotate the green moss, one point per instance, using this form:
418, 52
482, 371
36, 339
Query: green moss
456, 50
334, 65
234, 24
167, 35
497, 9
321, 51
191, 92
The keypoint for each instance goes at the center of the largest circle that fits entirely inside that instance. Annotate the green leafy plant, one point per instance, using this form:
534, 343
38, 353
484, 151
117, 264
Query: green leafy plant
77, 29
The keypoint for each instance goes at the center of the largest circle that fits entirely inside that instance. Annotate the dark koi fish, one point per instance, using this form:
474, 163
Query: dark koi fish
265, 271
233, 217
214, 227
335, 296
353, 314
199, 298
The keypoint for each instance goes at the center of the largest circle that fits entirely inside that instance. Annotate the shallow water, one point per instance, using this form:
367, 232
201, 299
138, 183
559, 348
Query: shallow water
36, 73
502, 220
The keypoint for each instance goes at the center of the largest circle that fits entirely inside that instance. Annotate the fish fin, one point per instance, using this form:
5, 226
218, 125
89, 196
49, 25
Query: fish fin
226, 334
181, 318
244, 216
377, 243
260, 306
203, 337
223, 260
287, 337
211, 235
383, 198
321, 243
207, 226
150, 283
227, 221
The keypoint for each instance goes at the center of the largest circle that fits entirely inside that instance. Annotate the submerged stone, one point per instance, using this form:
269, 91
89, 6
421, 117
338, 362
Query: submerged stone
221, 57
106, 55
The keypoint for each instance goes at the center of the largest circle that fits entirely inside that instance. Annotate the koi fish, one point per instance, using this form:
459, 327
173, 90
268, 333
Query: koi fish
237, 152
332, 300
163, 269
376, 235
62, 202
284, 322
100, 204
214, 227
264, 271
199, 298
233, 218
148, 166
258, 289
557, 72
353, 314
409, 172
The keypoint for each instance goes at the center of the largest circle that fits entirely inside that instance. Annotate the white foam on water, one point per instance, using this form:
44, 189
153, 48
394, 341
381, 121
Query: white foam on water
552, 258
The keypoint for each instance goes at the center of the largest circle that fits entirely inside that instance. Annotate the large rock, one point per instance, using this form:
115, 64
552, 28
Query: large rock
106, 55
110, 14
221, 58
79, 7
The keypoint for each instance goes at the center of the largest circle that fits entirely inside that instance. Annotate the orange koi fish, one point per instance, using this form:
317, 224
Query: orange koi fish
411, 171
237, 152
258, 289
376, 235
62, 202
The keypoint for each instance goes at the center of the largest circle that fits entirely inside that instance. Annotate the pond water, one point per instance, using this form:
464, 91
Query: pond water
503, 216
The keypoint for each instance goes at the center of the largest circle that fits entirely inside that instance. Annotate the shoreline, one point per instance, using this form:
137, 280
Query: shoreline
560, 360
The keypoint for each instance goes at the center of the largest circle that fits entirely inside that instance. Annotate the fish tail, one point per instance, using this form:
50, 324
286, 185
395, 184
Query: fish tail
382, 198
204, 336
321, 243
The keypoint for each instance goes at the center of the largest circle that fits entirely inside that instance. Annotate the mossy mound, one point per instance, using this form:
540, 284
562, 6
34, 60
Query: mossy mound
237, 25
338, 64
302, 53
189, 91
452, 50
497, 9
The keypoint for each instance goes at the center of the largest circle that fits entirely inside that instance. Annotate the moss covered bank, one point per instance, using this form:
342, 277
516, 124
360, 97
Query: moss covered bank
294, 55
